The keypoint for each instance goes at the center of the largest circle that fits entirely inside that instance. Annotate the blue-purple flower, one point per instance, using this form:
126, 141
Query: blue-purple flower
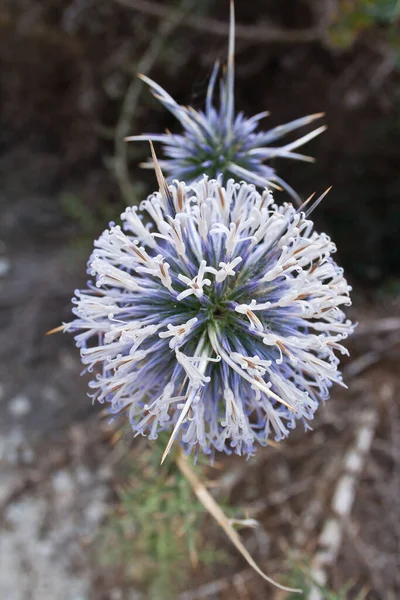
217, 141
216, 319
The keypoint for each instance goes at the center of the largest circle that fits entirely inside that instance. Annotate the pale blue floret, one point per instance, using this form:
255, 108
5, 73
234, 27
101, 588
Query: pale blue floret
217, 141
218, 321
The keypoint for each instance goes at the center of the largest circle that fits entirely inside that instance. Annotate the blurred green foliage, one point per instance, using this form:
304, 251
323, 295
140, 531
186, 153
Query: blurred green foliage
90, 222
155, 536
355, 16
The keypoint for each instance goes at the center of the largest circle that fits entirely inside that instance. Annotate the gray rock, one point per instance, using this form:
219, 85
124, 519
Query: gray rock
5, 266
19, 406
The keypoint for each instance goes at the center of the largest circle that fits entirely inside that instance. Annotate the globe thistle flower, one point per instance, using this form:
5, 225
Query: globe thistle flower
217, 141
217, 321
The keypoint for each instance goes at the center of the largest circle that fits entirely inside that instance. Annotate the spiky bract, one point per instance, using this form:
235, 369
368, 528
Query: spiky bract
218, 142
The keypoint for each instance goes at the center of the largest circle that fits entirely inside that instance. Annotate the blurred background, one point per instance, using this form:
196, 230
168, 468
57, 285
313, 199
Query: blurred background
86, 513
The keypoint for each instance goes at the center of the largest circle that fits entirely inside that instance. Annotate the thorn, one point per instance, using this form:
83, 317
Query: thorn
170, 442
274, 444
169, 445
162, 184
315, 204
117, 435
56, 329
274, 185
306, 202
175, 431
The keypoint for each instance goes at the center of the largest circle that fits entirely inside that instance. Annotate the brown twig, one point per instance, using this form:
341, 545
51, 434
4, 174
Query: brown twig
32, 479
330, 539
378, 326
211, 589
130, 102
370, 358
265, 34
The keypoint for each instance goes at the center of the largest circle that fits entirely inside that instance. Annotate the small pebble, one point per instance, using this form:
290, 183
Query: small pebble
95, 512
5, 266
51, 394
8, 483
83, 476
67, 360
27, 455
64, 489
63, 482
105, 473
19, 406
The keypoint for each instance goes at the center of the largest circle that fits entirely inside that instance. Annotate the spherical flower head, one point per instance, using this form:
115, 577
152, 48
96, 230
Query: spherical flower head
216, 318
217, 141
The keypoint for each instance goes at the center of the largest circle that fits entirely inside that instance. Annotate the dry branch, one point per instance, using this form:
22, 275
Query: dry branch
311, 515
210, 590
265, 34
370, 358
378, 326
330, 539
218, 514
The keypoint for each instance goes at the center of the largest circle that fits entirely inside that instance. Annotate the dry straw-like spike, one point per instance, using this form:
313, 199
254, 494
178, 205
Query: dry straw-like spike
218, 514
162, 183
56, 329
315, 203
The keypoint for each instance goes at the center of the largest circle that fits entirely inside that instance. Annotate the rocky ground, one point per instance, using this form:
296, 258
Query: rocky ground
65, 70
54, 485
58, 472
